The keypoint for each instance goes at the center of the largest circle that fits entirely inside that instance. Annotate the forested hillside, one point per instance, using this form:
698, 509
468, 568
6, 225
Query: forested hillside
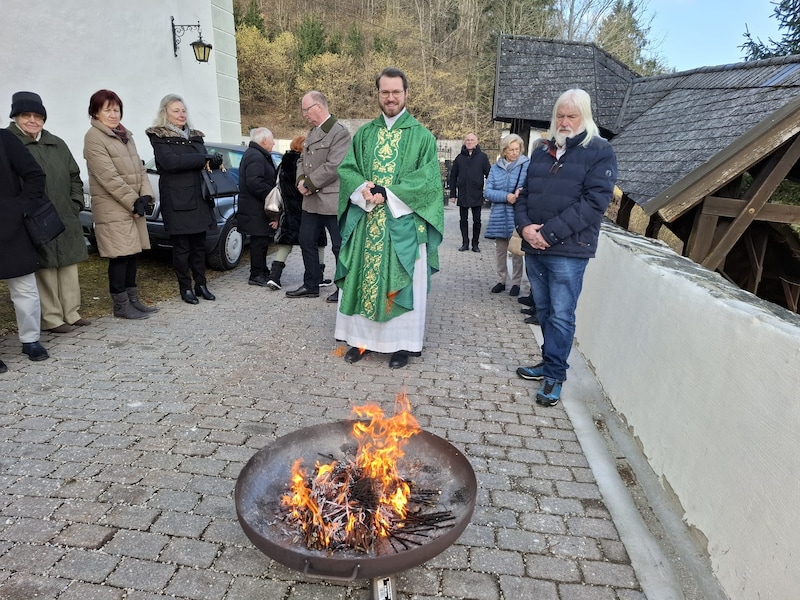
446, 47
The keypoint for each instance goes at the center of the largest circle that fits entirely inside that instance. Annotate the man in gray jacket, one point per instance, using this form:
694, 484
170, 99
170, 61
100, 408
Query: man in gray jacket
317, 179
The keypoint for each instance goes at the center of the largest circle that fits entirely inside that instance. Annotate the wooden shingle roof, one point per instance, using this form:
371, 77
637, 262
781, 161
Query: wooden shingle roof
662, 128
533, 72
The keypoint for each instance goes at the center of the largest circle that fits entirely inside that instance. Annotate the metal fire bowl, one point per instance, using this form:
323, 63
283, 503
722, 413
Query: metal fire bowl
430, 461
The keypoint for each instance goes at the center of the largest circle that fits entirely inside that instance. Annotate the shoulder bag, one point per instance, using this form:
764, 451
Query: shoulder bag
515, 242
218, 182
43, 223
273, 203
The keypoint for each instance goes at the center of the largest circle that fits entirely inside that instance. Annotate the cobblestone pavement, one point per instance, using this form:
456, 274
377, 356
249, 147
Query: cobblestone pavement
119, 455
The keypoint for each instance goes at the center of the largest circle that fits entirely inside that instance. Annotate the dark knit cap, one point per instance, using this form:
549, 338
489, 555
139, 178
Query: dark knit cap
23, 102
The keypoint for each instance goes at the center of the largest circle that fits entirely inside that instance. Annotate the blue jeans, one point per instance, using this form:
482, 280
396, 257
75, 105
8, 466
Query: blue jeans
556, 283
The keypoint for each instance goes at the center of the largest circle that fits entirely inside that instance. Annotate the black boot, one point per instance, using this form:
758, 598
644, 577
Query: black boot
274, 282
200, 289
464, 236
476, 234
124, 309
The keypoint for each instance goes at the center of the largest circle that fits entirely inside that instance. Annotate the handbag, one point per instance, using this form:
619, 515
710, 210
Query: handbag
43, 223
515, 244
218, 182
274, 201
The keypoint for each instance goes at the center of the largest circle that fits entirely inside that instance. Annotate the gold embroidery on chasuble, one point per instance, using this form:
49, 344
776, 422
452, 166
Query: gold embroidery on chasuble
384, 166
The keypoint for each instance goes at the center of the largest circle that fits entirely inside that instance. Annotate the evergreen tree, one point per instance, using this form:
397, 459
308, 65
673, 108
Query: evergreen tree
787, 12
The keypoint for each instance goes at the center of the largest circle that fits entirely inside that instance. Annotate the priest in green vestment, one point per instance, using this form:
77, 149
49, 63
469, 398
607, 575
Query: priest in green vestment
391, 217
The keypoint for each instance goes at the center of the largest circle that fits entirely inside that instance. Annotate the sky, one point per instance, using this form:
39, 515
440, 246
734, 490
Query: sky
698, 33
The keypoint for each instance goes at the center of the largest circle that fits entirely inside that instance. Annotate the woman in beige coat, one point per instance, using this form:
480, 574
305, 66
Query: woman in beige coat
120, 193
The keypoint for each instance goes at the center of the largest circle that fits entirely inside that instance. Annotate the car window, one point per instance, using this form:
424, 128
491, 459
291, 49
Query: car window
230, 158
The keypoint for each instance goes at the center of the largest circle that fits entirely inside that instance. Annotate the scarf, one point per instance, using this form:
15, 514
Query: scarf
121, 133
184, 133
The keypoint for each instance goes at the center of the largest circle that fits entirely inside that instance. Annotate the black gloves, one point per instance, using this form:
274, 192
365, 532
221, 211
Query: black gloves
214, 159
141, 203
379, 189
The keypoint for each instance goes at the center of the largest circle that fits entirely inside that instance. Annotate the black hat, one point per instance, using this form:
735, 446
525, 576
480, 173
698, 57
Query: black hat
22, 102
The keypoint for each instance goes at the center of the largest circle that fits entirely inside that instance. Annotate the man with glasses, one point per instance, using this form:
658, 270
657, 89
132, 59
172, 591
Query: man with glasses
317, 179
570, 184
392, 221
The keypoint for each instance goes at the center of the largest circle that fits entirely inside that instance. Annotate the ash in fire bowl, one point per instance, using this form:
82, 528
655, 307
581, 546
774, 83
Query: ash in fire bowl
440, 501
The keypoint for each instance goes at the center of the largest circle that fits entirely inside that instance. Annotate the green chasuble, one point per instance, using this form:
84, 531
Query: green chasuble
376, 260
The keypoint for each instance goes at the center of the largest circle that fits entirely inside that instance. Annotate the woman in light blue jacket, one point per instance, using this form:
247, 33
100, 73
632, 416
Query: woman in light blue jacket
506, 179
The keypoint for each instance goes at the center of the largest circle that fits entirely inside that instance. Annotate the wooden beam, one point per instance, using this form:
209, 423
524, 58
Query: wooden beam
755, 252
747, 150
701, 238
731, 207
756, 197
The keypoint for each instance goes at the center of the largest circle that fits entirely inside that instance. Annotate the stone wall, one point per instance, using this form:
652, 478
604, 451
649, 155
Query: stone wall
707, 377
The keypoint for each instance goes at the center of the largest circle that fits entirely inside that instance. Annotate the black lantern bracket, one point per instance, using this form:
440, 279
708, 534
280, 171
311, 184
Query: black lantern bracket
202, 50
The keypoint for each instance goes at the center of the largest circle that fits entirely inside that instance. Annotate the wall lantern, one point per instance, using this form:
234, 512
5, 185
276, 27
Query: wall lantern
202, 50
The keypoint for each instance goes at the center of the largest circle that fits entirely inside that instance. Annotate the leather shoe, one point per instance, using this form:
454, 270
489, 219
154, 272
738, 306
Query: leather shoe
63, 328
302, 292
81, 322
498, 287
258, 280
463, 247
398, 360
528, 311
532, 320
354, 354
3, 367
35, 351
201, 289
526, 300
189, 297
334, 297
475, 248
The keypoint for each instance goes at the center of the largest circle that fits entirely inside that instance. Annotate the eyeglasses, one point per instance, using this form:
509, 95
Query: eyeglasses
305, 110
393, 93
32, 115
556, 166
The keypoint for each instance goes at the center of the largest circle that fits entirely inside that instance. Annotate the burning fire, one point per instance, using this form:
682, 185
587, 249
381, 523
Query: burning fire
355, 503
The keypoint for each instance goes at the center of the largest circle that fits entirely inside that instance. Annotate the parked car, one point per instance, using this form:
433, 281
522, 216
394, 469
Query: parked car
225, 245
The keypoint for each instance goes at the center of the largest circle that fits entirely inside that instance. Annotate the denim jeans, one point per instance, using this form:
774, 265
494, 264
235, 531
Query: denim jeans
556, 283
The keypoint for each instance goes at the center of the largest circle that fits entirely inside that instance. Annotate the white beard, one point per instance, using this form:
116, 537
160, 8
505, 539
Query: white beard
563, 136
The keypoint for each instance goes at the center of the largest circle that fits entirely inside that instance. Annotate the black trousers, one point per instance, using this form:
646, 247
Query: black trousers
259, 245
476, 224
121, 273
189, 258
311, 226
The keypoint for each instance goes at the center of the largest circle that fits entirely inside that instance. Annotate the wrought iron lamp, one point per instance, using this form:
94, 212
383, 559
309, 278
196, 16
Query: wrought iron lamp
202, 50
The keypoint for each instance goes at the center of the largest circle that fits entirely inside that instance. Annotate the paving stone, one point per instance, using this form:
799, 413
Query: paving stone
87, 566
137, 544
83, 591
30, 559
198, 584
501, 562
145, 575
604, 573
476, 586
84, 535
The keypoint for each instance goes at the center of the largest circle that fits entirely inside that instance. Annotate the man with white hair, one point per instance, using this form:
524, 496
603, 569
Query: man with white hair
570, 183
257, 176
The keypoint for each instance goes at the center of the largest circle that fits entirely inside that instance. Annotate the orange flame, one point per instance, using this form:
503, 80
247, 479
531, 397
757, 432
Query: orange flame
381, 446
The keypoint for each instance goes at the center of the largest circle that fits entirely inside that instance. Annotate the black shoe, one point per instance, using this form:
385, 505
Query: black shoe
475, 248
499, 287
354, 354
201, 290
302, 292
334, 297
398, 360
532, 320
3, 367
189, 297
526, 300
514, 290
464, 246
528, 311
325, 282
35, 351
258, 280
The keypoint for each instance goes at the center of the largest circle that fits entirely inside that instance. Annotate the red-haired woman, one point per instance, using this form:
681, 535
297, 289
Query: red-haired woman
120, 193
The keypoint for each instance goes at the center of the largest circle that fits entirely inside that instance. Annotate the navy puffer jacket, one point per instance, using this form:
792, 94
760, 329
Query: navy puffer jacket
568, 196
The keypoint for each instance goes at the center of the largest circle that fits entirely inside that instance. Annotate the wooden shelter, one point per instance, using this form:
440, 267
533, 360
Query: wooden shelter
700, 152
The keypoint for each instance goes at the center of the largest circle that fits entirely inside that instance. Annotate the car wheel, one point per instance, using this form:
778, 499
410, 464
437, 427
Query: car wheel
228, 252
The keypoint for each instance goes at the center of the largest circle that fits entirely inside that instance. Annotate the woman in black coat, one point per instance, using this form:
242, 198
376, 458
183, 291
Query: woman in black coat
180, 156
288, 233
22, 184
257, 177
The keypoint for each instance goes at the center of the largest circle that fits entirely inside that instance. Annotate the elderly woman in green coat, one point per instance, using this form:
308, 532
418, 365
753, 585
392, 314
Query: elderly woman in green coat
57, 280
